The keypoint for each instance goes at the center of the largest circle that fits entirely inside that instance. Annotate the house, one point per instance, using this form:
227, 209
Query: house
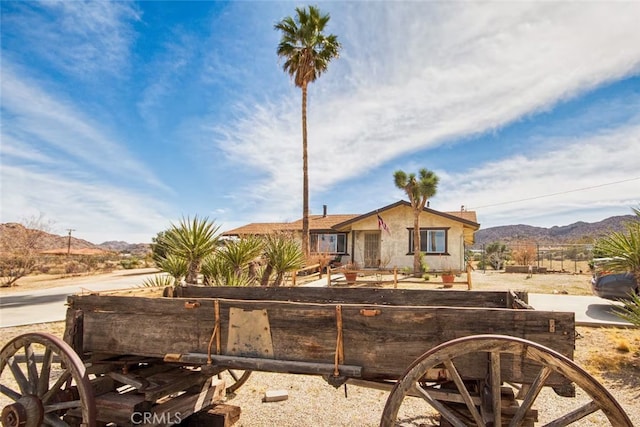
365, 240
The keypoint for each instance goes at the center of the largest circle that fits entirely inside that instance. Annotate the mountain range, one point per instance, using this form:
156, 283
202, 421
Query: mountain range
578, 232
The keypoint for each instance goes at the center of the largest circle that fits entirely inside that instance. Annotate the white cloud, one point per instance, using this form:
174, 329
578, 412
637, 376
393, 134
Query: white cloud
98, 212
42, 121
415, 75
81, 38
539, 189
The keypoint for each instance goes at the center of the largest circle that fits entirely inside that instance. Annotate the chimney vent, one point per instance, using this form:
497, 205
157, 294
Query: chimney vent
324, 210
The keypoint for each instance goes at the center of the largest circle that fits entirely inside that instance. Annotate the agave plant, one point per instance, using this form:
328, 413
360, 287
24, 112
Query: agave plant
192, 239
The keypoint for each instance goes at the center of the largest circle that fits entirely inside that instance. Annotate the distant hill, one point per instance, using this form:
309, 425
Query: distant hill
578, 232
52, 243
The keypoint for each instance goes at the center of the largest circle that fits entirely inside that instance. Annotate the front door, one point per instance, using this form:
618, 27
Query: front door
372, 250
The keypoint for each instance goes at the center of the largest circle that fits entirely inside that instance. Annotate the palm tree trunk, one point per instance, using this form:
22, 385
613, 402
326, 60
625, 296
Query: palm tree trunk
416, 243
305, 177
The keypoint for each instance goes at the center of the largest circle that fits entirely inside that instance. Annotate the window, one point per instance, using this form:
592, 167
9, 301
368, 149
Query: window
432, 240
328, 243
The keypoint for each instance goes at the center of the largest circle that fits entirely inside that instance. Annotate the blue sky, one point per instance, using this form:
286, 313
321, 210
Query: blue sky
120, 118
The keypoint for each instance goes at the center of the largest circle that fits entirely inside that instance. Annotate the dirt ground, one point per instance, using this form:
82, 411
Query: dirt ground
612, 355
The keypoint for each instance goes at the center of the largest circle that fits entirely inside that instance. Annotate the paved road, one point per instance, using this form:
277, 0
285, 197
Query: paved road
48, 305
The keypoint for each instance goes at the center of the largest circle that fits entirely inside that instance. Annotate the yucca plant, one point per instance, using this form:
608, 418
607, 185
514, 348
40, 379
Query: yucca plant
173, 265
283, 254
239, 254
623, 251
217, 271
630, 310
193, 240
159, 280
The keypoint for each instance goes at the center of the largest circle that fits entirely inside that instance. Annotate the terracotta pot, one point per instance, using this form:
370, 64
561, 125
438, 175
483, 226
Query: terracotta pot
448, 278
351, 276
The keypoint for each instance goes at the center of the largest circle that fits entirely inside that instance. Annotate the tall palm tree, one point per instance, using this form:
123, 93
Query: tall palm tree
307, 52
419, 190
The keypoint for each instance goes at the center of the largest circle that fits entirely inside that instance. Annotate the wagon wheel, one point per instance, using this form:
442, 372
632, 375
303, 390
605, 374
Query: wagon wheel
443, 358
42, 390
234, 378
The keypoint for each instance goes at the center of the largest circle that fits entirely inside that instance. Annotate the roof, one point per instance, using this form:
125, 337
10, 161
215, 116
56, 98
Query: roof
333, 222
465, 217
316, 223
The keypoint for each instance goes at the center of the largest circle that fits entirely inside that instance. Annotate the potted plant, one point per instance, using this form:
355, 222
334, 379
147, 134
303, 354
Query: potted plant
350, 271
448, 277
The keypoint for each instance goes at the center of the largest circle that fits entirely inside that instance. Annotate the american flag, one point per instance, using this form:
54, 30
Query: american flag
382, 225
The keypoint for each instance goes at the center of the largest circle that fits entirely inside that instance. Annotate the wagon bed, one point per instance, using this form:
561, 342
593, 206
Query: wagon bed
389, 338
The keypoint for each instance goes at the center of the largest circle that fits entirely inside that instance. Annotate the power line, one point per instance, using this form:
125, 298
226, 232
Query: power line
556, 194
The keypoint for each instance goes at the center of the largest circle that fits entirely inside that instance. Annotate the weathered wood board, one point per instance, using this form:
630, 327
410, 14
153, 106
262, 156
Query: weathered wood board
431, 297
383, 339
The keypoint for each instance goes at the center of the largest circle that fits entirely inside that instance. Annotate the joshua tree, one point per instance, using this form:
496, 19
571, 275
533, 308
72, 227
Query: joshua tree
282, 254
307, 52
419, 190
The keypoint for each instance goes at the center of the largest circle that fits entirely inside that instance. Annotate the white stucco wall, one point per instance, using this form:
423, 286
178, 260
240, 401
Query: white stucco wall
394, 246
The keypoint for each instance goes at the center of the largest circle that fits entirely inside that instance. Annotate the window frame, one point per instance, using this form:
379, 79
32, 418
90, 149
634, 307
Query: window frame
425, 237
314, 237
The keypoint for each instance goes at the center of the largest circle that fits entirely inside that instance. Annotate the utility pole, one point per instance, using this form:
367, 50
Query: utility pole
69, 241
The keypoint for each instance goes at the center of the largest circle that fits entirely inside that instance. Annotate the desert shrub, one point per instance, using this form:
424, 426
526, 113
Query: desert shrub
129, 263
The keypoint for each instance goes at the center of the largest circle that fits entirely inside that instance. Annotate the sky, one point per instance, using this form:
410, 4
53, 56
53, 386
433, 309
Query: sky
119, 119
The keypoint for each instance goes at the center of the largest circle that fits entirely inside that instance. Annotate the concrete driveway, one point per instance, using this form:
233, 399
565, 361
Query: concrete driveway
589, 310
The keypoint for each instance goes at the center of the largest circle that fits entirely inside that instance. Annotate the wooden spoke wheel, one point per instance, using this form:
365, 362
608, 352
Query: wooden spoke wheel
456, 401
234, 379
44, 380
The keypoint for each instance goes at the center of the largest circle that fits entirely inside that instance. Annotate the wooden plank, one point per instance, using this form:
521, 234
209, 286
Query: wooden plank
384, 345
427, 297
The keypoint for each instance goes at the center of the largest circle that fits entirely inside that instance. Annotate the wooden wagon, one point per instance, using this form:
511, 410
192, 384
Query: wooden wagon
469, 357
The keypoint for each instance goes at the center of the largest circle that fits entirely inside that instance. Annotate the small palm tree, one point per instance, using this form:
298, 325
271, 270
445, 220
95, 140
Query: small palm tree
419, 190
193, 240
307, 52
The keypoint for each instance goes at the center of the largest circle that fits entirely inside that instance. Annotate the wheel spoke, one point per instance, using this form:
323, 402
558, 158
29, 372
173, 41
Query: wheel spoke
233, 374
62, 405
438, 406
496, 385
457, 379
45, 372
32, 367
56, 387
531, 396
18, 375
11, 394
574, 415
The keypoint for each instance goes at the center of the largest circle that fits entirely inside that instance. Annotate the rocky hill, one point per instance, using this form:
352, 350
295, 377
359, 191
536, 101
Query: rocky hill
52, 243
578, 232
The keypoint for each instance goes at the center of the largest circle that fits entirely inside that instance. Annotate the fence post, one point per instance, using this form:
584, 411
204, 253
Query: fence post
328, 276
395, 277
